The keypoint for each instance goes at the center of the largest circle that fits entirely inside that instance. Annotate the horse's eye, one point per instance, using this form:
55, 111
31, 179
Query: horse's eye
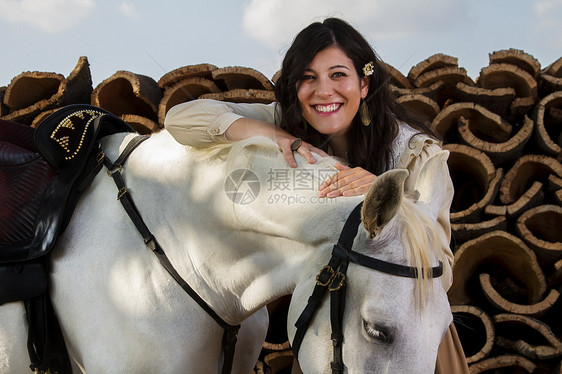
379, 333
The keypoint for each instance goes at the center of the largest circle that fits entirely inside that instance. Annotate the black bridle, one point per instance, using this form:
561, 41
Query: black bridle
230, 334
332, 278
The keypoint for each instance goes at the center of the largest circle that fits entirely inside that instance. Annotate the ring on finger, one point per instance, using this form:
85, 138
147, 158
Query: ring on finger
296, 144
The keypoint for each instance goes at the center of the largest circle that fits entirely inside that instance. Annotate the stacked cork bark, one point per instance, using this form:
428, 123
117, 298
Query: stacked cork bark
138, 99
504, 134
503, 131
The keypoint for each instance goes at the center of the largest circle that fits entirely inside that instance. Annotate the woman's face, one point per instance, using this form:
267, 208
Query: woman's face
330, 92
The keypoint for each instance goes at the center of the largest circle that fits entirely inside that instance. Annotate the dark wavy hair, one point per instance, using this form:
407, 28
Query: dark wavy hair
368, 147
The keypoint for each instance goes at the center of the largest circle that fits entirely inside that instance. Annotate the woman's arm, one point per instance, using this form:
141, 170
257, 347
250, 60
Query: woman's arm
203, 123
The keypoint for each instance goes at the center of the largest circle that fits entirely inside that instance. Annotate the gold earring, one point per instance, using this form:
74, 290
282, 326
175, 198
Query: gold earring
364, 113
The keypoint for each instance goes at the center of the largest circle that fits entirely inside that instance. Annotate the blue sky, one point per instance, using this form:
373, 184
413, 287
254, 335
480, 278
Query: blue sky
155, 37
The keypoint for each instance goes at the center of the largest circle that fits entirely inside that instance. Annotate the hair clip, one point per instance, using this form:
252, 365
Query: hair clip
368, 69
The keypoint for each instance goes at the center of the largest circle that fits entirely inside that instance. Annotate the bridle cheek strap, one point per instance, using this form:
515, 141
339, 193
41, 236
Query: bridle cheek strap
332, 278
337, 306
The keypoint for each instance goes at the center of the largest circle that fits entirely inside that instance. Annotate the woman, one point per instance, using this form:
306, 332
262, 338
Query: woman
333, 97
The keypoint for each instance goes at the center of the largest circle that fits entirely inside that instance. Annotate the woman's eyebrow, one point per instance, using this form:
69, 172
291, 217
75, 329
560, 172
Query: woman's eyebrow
339, 66
331, 68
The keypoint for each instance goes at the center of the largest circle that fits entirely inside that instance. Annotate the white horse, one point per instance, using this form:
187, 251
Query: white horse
121, 312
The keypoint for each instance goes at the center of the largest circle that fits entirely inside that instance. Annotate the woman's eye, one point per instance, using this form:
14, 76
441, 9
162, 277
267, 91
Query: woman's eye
307, 78
339, 74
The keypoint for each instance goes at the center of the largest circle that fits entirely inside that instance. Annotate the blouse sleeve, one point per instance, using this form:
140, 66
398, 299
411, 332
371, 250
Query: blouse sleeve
418, 150
202, 123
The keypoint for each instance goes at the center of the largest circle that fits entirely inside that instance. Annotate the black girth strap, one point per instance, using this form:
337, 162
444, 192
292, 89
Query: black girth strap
332, 278
230, 334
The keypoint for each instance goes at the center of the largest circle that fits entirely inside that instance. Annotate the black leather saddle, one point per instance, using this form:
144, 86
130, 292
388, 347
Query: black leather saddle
41, 179
43, 172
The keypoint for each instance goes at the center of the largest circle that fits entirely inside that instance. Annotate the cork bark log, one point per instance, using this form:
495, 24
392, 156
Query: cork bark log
476, 182
446, 122
184, 90
518, 58
548, 130
527, 171
189, 71
436, 61
479, 326
141, 124
502, 75
539, 228
527, 336
431, 92
509, 363
424, 108
503, 253
496, 100
128, 93
237, 77
482, 138
242, 96
31, 93
398, 79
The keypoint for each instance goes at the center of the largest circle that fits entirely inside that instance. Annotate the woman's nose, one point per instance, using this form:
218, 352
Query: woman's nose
324, 88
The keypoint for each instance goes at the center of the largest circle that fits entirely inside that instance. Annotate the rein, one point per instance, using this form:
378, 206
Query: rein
332, 278
114, 169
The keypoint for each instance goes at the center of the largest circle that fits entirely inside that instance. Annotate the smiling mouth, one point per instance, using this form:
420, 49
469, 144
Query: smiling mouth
327, 108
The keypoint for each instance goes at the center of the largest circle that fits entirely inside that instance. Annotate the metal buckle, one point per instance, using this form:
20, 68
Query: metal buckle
331, 274
112, 171
37, 370
101, 156
122, 193
340, 277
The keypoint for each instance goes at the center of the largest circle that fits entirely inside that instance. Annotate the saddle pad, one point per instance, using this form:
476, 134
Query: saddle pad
24, 177
18, 134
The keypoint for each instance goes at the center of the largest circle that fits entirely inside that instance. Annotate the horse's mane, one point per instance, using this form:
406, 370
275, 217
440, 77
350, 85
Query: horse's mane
422, 246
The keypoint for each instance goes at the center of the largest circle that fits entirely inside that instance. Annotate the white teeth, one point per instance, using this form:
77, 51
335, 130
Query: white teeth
326, 108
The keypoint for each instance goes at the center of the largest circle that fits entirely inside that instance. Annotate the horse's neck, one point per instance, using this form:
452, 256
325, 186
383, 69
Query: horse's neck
238, 257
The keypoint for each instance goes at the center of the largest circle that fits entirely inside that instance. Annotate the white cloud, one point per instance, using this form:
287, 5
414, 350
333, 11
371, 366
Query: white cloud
547, 7
275, 22
129, 10
51, 16
548, 21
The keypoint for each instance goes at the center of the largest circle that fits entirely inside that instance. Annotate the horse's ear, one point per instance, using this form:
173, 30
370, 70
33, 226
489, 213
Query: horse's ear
383, 200
433, 181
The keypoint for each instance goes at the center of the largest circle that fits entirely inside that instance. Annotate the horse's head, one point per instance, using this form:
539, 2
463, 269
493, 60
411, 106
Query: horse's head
391, 324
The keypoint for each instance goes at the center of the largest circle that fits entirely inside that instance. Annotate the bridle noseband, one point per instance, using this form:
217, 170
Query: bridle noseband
332, 278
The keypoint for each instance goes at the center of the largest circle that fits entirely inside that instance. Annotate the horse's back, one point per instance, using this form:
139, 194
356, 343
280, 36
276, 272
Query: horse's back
13, 339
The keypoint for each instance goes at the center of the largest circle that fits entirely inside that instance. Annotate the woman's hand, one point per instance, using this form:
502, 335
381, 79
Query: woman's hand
285, 141
347, 182
244, 128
